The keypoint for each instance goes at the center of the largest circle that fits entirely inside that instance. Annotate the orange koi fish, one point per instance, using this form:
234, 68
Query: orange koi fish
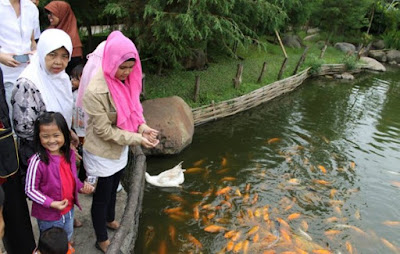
210, 215
230, 245
228, 179
208, 207
172, 234
321, 251
176, 217
294, 216
325, 139
273, 140
285, 235
389, 245
256, 237
352, 165
229, 234
246, 246
196, 193
173, 210
294, 181
224, 202
196, 242
300, 251
357, 214
224, 162
323, 182
322, 168
176, 198
149, 235
223, 190
332, 219
395, 184
237, 193
214, 228
304, 225
349, 247
198, 163
236, 236
255, 199
283, 223
222, 171
247, 189
258, 212
194, 170
246, 197
208, 193
269, 252
250, 213
391, 223
337, 210
162, 249
196, 213
334, 202
238, 247
253, 230
332, 232
333, 192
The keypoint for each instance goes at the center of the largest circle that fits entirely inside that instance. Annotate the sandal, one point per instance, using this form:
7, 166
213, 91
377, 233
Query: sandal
77, 223
113, 225
97, 245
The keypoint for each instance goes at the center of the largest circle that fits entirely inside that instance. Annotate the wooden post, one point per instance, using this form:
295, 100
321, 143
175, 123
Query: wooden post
301, 60
282, 68
264, 68
238, 79
323, 51
196, 89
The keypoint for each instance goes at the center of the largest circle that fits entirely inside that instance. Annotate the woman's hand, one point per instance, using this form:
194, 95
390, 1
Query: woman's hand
74, 138
150, 134
59, 205
8, 60
149, 144
87, 188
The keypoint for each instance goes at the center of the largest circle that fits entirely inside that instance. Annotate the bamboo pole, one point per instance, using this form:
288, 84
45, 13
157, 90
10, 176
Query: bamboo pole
238, 79
196, 89
301, 60
280, 43
264, 68
143, 86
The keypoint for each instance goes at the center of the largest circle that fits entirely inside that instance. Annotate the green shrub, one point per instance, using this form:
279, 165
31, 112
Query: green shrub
315, 63
350, 61
392, 39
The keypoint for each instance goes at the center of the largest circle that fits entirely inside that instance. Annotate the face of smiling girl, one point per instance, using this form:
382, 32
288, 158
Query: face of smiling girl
51, 138
57, 60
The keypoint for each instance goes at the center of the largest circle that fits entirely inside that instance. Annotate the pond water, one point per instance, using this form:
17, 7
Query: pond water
315, 171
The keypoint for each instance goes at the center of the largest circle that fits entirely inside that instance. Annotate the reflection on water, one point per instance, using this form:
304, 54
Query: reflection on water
315, 171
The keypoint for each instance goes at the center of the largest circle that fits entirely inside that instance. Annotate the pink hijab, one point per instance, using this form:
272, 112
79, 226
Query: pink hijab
126, 95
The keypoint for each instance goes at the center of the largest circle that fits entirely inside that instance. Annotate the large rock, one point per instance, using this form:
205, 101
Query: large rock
393, 56
174, 119
345, 47
344, 76
372, 64
379, 44
292, 41
313, 30
379, 55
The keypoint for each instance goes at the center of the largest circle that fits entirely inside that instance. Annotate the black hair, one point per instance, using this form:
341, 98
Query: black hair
48, 118
1, 196
131, 59
77, 71
53, 241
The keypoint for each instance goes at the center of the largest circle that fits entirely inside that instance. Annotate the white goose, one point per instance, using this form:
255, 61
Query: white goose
169, 178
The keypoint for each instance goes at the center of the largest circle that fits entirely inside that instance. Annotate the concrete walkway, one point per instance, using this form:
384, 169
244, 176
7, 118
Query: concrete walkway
84, 236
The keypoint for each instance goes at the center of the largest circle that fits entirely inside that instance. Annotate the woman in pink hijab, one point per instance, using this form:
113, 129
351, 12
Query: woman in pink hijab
115, 121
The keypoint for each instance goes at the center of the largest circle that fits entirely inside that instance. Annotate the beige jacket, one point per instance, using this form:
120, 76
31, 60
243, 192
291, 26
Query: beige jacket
103, 138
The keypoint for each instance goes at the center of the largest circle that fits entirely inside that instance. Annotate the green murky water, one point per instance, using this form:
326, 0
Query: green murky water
315, 170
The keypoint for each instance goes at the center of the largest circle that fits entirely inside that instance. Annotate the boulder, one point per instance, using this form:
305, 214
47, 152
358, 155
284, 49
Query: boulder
372, 64
393, 56
196, 61
379, 44
310, 37
344, 75
345, 47
313, 30
379, 55
174, 119
292, 41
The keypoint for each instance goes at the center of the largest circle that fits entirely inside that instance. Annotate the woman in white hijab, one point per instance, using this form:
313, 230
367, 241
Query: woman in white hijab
42, 86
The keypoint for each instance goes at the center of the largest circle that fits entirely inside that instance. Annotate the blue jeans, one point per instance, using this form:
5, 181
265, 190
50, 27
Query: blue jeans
66, 222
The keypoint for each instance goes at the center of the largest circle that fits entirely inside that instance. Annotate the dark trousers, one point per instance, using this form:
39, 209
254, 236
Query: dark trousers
18, 233
103, 204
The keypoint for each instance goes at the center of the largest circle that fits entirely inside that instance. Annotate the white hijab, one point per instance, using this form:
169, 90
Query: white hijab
55, 89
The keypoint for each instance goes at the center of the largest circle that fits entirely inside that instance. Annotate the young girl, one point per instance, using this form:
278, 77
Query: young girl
51, 180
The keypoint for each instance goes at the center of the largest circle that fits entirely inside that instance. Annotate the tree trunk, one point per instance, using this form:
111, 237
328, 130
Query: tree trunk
196, 89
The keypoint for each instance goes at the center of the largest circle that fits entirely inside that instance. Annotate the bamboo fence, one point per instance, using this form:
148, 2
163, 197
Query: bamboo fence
266, 93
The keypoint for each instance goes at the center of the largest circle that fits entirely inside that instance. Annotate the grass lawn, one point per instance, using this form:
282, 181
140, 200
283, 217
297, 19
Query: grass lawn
216, 82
